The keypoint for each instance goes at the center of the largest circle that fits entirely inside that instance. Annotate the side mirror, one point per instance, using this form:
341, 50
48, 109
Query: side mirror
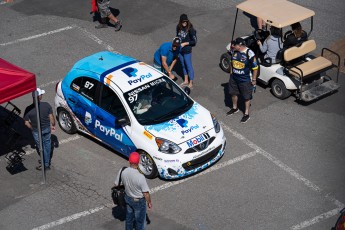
122, 121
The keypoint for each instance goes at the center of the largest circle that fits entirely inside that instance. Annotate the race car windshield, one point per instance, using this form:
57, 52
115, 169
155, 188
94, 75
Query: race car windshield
157, 101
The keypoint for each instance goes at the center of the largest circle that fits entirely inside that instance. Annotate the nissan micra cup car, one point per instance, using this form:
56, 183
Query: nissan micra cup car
131, 106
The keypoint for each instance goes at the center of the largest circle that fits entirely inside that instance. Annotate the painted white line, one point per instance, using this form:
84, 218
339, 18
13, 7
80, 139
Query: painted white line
211, 169
38, 35
97, 40
153, 190
49, 83
273, 159
63, 141
316, 219
293, 173
69, 218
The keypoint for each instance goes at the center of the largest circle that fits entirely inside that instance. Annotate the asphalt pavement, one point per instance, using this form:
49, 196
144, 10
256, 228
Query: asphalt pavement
283, 169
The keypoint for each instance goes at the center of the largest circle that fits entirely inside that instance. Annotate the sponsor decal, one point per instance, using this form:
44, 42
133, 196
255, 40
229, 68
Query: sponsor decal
75, 87
130, 72
108, 131
182, 122
190, 129
148, 135
140, 79
171, 161
238, 65
157, 158
87, 118
197, 140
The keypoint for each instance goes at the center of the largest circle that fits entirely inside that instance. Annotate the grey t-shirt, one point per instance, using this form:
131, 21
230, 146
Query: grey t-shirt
31, 115
134, 182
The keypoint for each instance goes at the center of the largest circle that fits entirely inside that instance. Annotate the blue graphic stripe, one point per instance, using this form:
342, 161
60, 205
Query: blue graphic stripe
116, 68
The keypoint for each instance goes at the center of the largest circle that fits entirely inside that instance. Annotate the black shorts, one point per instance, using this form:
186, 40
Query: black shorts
241, 88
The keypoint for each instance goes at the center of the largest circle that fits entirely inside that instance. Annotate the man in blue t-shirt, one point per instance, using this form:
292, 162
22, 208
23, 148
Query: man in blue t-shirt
166, 56
243, 61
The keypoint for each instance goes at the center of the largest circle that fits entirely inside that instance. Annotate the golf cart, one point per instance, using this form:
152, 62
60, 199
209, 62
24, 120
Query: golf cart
295, 70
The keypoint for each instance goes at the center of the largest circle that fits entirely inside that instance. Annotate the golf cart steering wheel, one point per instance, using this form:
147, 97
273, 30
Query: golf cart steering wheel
257, 35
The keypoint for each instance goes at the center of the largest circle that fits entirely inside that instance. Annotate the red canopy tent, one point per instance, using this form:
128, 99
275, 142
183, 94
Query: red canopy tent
15, 82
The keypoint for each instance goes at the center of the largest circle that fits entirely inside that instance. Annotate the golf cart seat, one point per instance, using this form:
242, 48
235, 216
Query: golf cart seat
308, 68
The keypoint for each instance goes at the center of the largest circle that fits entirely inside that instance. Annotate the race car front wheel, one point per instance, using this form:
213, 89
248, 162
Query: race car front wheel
66, 122
225, 62
147, 165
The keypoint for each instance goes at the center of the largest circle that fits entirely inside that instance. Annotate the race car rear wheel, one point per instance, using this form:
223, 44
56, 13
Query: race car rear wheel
279, 90
66, 122
147, 165
225, 62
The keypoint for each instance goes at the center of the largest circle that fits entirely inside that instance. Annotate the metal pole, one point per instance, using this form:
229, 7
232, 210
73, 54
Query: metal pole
37, 106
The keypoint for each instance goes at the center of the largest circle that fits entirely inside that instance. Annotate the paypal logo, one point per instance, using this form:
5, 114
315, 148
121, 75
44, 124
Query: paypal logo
182, 122
130, 72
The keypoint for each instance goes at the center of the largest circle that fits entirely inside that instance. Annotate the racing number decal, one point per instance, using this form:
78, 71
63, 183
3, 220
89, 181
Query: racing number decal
133, 98
88, 85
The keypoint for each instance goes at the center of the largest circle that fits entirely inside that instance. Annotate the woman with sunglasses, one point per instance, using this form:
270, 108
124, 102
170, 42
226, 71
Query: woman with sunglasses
187, 34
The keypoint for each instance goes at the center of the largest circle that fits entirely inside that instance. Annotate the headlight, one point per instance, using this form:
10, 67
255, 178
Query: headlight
215, 123
166, 146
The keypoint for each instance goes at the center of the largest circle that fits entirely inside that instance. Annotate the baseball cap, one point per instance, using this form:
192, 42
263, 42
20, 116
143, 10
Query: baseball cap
176, 42
134, 158
239, 41
39, 92
183, 17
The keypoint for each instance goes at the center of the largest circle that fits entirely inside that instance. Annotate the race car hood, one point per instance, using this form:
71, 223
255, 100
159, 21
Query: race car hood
192, 123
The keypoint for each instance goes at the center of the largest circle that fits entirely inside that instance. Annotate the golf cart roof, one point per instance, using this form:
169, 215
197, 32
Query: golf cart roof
278, 13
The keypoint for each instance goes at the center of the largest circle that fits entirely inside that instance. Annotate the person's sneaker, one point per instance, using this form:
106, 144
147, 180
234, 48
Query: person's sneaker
118, 25
39, 168
232, 111
245, 118
100, 26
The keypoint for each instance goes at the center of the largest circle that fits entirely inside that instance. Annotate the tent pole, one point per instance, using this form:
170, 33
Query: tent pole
40, 136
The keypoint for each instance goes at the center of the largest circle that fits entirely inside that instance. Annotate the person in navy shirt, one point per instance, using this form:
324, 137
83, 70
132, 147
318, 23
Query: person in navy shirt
166, 57
243, 65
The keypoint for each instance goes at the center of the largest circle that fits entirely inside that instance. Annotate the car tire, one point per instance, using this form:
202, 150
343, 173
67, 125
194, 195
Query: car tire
279, 90
147, 165
225, 62
66, 122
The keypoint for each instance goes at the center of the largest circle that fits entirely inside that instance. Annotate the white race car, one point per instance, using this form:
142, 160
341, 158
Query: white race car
131, 106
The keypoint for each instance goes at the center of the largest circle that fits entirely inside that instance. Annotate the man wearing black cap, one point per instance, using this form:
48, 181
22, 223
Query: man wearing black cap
243, 61
166, 56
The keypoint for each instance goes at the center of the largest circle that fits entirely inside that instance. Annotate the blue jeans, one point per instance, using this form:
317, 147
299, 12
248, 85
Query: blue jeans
46, 138
136, 212
187, 66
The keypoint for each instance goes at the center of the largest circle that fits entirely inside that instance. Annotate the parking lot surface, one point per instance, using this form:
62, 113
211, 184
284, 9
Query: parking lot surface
283, 169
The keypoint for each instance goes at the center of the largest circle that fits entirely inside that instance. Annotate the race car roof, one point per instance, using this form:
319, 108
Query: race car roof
278, 13
124, 71
103, 61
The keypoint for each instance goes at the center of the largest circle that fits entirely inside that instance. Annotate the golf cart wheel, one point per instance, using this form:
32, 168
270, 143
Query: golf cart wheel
279, 90
66, 122
147, 165
225, 62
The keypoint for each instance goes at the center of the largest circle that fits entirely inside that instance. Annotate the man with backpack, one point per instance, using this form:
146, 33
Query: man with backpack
243, 62
137, 193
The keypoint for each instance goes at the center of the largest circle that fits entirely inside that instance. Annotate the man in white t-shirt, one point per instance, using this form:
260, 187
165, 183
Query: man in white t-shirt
137, 193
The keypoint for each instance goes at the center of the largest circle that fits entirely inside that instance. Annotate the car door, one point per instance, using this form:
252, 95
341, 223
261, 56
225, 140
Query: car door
82, 99
109, 109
